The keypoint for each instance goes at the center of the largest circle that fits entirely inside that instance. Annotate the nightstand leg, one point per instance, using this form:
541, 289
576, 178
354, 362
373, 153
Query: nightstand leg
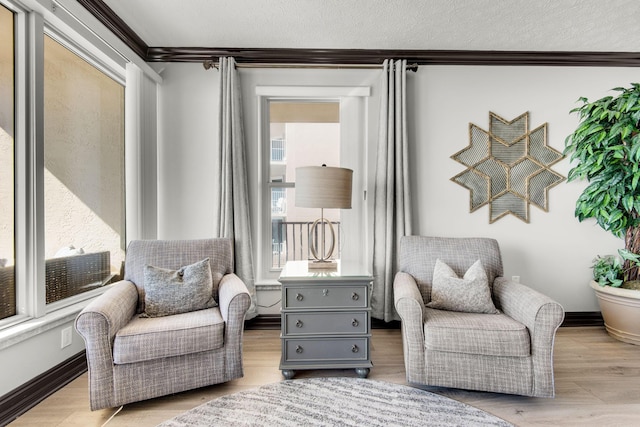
362, 372
288, 373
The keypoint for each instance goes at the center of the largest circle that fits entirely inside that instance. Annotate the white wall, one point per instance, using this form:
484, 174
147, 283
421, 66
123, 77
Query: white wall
552, 253
187, 125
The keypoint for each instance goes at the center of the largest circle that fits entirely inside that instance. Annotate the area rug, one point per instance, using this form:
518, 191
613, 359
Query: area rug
334, 402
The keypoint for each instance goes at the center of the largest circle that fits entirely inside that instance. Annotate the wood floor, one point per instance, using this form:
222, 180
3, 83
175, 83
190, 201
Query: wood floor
597, 384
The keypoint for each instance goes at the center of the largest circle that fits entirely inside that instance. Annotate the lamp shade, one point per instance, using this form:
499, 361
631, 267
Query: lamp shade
323, 187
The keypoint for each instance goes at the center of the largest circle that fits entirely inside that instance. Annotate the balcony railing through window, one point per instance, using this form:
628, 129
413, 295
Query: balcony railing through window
290, 241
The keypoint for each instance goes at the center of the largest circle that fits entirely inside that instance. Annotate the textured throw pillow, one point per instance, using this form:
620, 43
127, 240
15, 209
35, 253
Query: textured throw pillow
168, 292
469, 294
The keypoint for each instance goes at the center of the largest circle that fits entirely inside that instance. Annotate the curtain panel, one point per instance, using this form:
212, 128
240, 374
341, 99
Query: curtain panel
392, 211
231, 216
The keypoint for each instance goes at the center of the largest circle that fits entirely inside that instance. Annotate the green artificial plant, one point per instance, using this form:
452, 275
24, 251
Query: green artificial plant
605, 150
609, 270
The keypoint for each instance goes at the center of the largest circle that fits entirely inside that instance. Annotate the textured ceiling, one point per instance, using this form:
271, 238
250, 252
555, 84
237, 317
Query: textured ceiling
531, 25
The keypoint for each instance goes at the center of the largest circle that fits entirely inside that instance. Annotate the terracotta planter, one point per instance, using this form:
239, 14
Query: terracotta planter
621, 312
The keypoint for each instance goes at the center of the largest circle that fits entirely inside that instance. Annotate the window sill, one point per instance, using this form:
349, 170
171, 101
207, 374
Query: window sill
22, 327
268, 285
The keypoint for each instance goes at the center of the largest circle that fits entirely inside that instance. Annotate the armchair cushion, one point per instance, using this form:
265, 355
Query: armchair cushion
174, 254
469, 294
169, 292
475, 333
154, 338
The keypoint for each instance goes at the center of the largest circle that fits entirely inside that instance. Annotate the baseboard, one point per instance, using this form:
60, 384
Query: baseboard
582, 318
381, 324
263, 321
571, 319
28, 395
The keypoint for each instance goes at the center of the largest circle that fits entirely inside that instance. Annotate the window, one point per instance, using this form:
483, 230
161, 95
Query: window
84, 174
301, 134
7, 171
307, 126
62, 182
278, 150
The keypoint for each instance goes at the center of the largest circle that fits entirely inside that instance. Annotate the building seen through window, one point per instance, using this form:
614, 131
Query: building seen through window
301, 134
84, 174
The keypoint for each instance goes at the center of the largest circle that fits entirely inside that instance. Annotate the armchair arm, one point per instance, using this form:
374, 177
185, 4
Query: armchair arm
542, 316
407, 298
109, 312
234, 301
535, 310
410, 306
97, 324
234, 298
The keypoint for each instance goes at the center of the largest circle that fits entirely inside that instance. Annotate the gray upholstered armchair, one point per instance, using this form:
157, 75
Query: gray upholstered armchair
133, 357
508, 352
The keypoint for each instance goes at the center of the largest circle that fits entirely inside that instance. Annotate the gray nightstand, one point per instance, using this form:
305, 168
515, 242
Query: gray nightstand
326, 321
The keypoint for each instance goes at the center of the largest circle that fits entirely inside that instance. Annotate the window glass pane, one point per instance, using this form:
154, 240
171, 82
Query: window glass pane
84, 174
301, 134
7, 241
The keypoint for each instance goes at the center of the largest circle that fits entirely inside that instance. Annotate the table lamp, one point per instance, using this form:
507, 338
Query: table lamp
323, 187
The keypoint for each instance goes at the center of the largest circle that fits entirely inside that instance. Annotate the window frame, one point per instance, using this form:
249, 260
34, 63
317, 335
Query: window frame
18, 78
353, 125
30, 28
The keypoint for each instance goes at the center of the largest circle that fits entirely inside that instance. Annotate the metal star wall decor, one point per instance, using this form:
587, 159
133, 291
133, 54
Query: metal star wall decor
508, 167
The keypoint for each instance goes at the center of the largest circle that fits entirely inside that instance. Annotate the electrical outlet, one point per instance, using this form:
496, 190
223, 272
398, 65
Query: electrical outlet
65, 337
515, 279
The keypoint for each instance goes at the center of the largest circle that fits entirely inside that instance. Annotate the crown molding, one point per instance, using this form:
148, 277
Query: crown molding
373, 56
114, 23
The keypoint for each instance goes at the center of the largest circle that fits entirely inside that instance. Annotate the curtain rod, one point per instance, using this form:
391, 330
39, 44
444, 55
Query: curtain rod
213, 64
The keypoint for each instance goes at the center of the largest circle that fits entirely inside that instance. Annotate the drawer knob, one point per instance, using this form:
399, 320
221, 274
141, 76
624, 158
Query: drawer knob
300, 350
325, 292
354, 322
355, 296
299, 323
355, 349
299, 297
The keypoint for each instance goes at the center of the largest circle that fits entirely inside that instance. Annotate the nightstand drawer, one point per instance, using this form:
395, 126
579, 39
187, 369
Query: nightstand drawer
326, 297
337, 323
327, 349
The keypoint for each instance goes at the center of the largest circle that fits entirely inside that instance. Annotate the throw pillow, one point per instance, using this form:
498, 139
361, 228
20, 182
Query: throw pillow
168, 292
469, 294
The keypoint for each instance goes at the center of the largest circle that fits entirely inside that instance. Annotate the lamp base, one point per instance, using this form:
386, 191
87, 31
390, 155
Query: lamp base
322, 265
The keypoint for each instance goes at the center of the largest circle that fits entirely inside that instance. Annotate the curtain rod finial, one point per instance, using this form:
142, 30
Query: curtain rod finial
208, 64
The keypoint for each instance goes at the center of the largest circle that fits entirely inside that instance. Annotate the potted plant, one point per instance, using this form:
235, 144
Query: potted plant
605, 150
